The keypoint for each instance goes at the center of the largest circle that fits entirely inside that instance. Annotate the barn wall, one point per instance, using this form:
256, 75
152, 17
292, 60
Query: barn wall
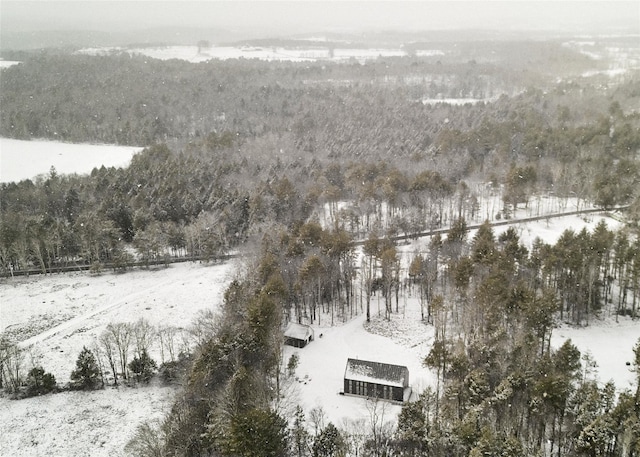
295, 342
368, 389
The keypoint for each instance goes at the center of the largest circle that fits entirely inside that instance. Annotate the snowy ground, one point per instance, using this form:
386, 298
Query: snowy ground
7, 63
320, 373
21, 159
609, 344
268, 53
77, 424
58, 314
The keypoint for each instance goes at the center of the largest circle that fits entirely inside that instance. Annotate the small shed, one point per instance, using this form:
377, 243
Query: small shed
298, 335
375, 379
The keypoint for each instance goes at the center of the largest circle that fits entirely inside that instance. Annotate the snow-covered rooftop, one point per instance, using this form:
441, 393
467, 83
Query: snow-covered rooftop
298, 331
377, 373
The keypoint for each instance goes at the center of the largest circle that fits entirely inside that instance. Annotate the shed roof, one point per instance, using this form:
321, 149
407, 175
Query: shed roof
298, 331
377, 373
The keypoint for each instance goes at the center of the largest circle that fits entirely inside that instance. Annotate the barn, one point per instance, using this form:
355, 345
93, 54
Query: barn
298, 335
375, 379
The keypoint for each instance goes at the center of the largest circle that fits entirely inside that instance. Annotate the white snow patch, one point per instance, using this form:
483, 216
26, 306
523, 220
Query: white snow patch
77, 424
8, 63
267, 53
21, 159
609, 343
457, 101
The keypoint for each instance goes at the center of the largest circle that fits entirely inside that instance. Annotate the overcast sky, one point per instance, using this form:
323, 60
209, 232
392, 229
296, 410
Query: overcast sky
300, 15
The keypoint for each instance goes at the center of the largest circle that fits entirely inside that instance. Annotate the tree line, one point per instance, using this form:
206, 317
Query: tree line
150, 213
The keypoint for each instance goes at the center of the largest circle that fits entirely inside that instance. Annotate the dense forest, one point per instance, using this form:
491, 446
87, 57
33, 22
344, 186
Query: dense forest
246, 143
316, 168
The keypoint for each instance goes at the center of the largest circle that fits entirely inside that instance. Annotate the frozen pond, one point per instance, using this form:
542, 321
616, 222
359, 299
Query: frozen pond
21, 159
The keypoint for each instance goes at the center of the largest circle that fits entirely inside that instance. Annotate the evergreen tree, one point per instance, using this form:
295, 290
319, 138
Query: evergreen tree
483, 245
39, 382
329, 443
143, 367
299, 435
256, 433
87, 374
412, 428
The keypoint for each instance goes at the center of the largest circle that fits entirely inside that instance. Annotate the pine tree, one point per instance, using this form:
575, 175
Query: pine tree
329, 443
412, 428
292, 364
257, 433
299, 434
39, 382
87, 374
143, 367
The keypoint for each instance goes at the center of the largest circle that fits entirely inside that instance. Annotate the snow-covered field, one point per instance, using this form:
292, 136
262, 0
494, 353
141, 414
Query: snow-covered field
609, 344
58, 314
267, 53
7, 63
21, 159
78, 424
405, 340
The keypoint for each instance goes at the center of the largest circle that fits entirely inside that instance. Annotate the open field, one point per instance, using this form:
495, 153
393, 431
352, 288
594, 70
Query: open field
21, 159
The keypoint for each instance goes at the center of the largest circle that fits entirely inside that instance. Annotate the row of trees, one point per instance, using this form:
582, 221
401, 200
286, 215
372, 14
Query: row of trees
121, 353
584, 275
50, 224
87, 375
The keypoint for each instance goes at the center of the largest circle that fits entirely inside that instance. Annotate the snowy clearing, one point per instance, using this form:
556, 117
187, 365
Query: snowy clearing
77, 424
8, 63
20, 159
320, 373
610, 345
268, 53
59, 314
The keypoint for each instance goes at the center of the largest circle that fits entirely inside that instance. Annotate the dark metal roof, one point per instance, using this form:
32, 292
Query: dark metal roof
377, 372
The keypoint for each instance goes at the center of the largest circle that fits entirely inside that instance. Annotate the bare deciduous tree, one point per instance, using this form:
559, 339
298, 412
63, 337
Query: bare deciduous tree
143, 334
11, 365
167, 338
108, 346
355, 434
317, 418
122, 334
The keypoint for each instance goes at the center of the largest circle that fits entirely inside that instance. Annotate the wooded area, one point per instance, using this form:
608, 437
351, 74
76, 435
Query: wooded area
295, 162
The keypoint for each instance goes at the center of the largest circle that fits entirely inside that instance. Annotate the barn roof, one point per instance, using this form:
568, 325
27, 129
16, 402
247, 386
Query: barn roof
298, 331
377, 373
